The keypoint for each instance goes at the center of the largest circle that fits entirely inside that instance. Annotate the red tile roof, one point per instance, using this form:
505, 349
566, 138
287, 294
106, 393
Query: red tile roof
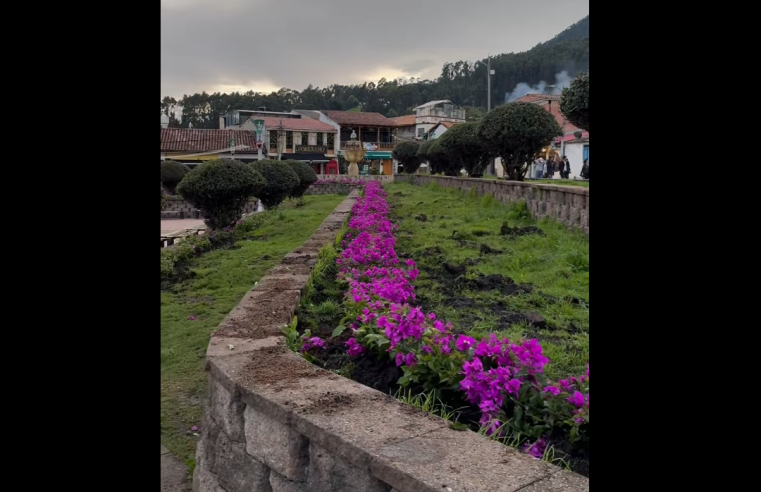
358, 119
550, 102
197, 140
529, 98
296, 124
408, 120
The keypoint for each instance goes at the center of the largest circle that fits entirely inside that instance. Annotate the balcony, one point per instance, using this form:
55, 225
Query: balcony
378, 146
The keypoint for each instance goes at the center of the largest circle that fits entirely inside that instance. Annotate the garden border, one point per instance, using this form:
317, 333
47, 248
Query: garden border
276, 423
566, 204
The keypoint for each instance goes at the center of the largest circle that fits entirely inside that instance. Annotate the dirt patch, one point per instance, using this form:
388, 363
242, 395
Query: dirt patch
331, 403
277, 367
421, 217
506, 230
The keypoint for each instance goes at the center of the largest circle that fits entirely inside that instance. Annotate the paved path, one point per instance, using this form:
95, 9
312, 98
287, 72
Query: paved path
174, 474
172, 225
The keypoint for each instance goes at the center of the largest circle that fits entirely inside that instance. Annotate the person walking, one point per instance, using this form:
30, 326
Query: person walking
566, 167
539, 168
585, 169
548, 169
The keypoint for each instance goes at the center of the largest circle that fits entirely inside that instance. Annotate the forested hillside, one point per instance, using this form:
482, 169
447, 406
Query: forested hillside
463, 82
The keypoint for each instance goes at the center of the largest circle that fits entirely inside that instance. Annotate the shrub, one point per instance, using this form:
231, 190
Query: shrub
163, 199
220, 188
306, 175
281, 181
574, 103
172, 173
464, 149
407, 154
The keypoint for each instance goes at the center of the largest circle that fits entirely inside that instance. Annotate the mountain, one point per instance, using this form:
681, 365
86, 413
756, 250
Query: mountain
463, 82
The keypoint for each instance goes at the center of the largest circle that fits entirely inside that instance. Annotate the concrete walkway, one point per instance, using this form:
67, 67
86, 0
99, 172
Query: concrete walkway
172, 225
174, 474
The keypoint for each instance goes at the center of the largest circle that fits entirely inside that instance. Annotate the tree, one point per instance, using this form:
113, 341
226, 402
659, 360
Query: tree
407, 154
439, 161
221, 188
574, 103
391, 113
517, 132
464, 149
306, 175
163, 198
281, 181
172, 173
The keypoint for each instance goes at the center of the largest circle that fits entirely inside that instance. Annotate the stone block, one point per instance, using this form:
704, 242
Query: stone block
558, 197
276, 445
565, 214
328, 473
282, 484
226, 410
204, 480
562, 481
575, 217
579, 201
462, 461
584, 219
236, 470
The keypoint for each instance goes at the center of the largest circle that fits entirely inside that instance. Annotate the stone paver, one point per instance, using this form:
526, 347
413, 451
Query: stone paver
174, 474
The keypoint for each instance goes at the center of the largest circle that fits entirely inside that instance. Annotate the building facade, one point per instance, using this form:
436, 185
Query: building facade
432, 113
289, 135
194, 146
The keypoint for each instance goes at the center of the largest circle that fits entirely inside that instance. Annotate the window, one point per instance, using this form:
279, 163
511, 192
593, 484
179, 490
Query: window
273, 139
420, 132
319, 139
304, 138
331, 142
289, 140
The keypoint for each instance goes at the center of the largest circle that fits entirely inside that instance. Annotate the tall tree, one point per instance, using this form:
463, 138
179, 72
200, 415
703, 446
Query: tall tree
516, 132
574, 103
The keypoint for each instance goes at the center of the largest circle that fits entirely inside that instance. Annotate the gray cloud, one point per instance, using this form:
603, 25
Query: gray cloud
263, 44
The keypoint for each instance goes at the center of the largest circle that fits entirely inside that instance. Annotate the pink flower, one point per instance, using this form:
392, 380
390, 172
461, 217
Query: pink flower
354, 348
191, 318
577, 399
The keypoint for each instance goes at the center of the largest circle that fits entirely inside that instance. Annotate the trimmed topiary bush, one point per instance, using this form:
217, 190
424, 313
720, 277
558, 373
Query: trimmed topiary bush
281, 181
172, 173
163, 198
221, 188
407, 153
306, 175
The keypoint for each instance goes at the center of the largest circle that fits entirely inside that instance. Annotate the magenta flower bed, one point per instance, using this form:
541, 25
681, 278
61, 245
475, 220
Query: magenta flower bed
502, 380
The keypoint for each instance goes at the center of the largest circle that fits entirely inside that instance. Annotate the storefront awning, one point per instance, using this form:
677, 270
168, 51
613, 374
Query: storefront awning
377, 155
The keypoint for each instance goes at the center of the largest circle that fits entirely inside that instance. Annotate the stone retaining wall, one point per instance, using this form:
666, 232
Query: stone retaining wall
276, 423
330, 189
177, 207
566, 204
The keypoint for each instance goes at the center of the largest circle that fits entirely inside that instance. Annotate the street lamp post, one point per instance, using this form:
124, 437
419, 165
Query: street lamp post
489, 72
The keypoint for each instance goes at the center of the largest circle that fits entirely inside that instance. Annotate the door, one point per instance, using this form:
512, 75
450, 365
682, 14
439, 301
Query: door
586, 152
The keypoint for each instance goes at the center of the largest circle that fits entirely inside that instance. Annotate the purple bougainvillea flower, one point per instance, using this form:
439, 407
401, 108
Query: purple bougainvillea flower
464, 343
411, 360
399, 359
194, 428
536, 449
191, 318
552, 389
317, 342
577, 399
354, 348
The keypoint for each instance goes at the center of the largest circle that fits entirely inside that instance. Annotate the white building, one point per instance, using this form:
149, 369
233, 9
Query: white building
432, 113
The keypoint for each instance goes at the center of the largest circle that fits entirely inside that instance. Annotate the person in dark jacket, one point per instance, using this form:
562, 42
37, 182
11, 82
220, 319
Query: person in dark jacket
549, 169
566, 172
585, 169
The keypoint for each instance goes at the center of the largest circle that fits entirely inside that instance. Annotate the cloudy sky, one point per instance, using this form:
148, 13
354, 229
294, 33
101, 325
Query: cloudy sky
262, 45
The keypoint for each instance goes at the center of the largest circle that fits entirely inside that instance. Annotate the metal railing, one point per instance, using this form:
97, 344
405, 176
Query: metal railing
378, 146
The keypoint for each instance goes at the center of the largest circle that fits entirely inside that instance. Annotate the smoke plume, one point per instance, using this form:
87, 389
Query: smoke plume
562, 80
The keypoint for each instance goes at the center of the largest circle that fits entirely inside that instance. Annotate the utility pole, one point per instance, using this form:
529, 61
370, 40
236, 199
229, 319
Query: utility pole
489, 72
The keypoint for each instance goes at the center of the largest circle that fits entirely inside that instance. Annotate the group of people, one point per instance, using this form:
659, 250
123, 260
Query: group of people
547, 168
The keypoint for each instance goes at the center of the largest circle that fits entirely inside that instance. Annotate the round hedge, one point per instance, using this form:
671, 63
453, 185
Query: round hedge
407, 153
221, 188
306, 175
281, 181
172, 173
163, 198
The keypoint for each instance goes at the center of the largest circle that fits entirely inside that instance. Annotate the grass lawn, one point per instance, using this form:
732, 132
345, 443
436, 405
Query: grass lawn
455, 227
222, 278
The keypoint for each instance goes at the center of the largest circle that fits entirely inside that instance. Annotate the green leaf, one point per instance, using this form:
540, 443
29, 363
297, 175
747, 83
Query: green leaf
458, 426
339, 329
